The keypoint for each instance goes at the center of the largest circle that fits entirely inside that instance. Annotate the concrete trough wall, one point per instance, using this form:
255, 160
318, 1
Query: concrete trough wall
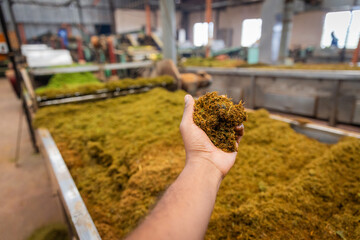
326, 95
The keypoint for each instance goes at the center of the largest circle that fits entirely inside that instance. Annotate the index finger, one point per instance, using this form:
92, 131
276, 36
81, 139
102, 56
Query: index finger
240, 132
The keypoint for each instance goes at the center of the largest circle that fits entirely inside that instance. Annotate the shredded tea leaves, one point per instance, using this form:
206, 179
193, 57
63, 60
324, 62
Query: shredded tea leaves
54, 231
68, 80
238, 63
74, 84
217, 116
123, 153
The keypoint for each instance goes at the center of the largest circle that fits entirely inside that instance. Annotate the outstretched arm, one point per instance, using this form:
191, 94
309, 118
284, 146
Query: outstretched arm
185, 209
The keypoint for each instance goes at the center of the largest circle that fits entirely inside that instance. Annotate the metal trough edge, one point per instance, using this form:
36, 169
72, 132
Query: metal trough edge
75, 207
319, 132
352, 75
90, 68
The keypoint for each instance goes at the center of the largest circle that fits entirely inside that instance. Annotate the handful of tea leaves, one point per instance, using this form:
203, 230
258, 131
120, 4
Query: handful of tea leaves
217, 116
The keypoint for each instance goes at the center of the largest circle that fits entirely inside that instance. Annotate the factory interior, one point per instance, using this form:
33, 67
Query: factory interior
92, 97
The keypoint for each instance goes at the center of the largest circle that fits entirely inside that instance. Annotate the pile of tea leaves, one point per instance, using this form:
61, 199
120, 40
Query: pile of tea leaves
212, 62
54, 231
74, 84
238, 63
68, 80
123, 153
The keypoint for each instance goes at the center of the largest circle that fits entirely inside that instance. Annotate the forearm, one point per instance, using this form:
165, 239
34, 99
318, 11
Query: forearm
185, 209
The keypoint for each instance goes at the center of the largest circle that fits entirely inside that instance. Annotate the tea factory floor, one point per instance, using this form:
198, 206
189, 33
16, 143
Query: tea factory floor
26, 198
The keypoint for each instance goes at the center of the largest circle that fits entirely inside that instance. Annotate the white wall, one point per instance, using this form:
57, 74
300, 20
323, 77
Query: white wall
132, 20
307, 29
129, 20
178, 20
307, 26
233, 17
38, 20
194, 17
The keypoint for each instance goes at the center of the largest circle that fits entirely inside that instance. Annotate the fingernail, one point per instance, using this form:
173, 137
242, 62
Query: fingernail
186, 99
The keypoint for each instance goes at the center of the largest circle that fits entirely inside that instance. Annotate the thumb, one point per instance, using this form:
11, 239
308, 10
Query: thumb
189, 108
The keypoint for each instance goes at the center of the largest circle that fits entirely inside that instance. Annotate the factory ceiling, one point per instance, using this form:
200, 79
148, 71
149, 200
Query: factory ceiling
186, 5
189, 5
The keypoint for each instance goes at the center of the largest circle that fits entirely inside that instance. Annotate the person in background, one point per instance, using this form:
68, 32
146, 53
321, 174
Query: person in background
185, 209
334, 40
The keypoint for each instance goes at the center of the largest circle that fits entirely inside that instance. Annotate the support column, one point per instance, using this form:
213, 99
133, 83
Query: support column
286, 30
111, 51
81, 18
343, 50
68, 28
156, 20
13, 21
167, 8
22, 33
113, 22
216, 24
355, 57
148, 18
80, 50
208, 19
270, 31
185, 22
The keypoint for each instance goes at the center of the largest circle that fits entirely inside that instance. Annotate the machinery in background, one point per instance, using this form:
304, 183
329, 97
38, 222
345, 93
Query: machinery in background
126, 47
187, 50
194, 83
138, 46
321, 55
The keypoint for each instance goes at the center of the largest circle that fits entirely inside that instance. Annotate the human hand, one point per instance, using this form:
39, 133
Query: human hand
199, 148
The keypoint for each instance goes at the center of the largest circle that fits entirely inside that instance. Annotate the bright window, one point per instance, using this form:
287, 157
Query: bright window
201, 33
251, 31
182, 35
338, 23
